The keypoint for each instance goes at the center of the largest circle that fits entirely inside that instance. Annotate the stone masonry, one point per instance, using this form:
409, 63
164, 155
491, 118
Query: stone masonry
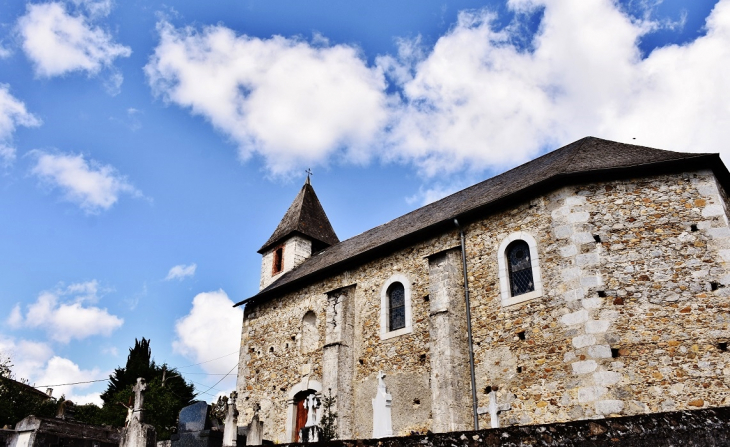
633, 318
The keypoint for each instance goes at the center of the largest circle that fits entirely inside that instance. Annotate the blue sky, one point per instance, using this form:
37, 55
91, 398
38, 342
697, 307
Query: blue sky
148, 148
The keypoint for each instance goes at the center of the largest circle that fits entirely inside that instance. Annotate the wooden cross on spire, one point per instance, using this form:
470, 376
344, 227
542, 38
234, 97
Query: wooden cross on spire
309, 174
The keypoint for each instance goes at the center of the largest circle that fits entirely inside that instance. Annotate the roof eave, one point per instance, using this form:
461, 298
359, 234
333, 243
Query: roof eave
711, 161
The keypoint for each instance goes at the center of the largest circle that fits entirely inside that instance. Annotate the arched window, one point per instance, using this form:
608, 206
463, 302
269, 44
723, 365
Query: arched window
520, 268
396, 306
310, 335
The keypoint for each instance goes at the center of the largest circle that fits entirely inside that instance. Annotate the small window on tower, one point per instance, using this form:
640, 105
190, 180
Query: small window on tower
278, 261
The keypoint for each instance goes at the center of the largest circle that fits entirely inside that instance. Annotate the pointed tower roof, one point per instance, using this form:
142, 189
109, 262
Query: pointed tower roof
305, 216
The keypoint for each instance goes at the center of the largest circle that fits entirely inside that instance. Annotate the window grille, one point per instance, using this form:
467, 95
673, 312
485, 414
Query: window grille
520, 268
396, 306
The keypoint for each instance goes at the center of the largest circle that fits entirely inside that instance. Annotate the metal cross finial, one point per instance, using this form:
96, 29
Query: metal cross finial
309, 174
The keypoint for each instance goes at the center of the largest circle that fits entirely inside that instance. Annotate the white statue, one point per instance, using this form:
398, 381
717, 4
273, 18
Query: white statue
382, 422
310, 432
311, 404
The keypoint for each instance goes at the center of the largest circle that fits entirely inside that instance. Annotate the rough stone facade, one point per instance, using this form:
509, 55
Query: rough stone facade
633, 318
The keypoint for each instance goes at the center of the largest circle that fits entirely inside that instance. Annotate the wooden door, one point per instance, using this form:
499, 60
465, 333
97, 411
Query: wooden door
301, 416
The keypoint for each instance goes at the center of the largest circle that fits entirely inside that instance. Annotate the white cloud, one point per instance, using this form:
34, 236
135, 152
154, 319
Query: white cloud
58, 42
292, 102
477, 100
427, 195
181, 272
113, 83
60, 370
91, 185
111, 350
4, 52
95, 8
211, 318
12, 114
28, 357
15, 319
35, 362
65, 315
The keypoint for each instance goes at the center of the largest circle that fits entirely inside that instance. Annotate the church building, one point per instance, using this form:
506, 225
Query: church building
591, 282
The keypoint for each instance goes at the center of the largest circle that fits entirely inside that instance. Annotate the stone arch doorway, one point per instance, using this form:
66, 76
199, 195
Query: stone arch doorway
295, 406
300, 418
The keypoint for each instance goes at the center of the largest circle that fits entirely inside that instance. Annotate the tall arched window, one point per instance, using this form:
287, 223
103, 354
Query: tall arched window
520, 268
396, 306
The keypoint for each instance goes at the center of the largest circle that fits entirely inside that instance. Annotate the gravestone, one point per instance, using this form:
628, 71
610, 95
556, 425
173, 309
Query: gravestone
382, 421
253, 433
230, 430
194, 428
136, 433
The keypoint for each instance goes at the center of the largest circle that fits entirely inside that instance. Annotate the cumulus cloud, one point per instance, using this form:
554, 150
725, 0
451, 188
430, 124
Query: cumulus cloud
212, 317
12, 114
35, 362
181, 272
91, 185
59, 370
58, 42
67, 313
28, 357
286, 99
483, 97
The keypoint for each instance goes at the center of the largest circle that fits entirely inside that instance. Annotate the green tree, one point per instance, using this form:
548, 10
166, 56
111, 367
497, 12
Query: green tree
167, 393
328, 423
19, 400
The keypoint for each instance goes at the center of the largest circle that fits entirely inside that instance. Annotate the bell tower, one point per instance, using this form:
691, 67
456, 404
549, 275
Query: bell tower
304, 229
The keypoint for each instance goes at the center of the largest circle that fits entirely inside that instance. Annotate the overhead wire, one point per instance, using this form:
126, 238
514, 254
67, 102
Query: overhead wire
229, 372
178, 368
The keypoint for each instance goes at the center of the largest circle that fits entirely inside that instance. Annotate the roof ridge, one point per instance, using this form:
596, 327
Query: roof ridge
602, 159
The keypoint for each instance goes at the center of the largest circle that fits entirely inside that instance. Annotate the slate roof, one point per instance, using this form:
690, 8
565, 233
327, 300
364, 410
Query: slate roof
588, 159
305, 216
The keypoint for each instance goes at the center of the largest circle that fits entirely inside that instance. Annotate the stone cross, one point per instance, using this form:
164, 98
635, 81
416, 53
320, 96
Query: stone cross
139, 390
495, 408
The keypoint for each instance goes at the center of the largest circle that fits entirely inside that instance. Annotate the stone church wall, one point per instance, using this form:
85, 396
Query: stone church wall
628, 325
633, 309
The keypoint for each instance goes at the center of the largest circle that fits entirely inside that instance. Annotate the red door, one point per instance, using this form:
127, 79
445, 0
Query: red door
301, 416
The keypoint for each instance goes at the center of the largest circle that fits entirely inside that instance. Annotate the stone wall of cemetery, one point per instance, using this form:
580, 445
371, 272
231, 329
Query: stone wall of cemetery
633, 317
